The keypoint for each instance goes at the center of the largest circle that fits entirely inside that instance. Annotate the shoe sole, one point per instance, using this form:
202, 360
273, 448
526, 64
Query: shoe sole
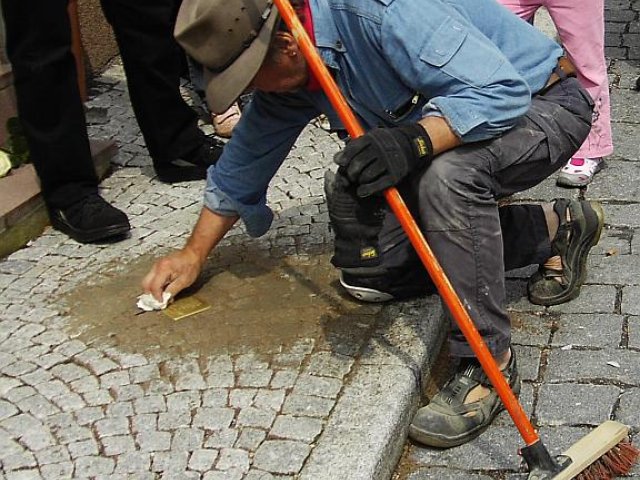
365, 294
449, 442
573, 290
90, 236
565, 181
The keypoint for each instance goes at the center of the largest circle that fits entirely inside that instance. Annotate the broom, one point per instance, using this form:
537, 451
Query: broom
604, 453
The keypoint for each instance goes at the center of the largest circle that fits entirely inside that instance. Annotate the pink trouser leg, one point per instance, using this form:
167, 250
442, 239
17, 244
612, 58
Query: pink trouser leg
580, 26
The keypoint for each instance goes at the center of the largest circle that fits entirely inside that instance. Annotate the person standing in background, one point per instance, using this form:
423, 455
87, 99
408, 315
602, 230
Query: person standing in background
580, 26
51, 112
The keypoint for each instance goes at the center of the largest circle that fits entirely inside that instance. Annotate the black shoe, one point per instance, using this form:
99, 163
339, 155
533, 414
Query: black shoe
580, 227
447, 421
89, 220
194, 166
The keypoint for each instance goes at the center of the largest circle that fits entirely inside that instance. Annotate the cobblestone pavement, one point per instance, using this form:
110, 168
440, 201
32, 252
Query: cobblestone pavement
326, 388
287, 380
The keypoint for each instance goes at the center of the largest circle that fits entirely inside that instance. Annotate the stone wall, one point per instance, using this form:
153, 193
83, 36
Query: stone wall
97, 37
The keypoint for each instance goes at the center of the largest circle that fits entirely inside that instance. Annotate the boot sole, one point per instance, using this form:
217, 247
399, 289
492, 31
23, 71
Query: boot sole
573, 290
90, 236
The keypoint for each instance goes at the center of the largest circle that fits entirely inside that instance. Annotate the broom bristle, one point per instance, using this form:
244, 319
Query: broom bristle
617, 461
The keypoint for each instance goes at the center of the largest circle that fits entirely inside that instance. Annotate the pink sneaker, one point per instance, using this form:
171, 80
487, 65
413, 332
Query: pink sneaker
579, 172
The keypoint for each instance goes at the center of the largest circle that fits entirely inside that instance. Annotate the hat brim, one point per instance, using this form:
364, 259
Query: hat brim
224, 88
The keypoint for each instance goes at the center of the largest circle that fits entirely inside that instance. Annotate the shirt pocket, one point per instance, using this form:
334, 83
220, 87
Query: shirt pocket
461, 54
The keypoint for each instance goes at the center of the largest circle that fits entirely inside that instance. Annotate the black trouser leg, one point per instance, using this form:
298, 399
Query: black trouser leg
153, 62
49, 104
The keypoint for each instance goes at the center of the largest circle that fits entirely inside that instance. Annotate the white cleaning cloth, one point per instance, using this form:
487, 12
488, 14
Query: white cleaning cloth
147, 303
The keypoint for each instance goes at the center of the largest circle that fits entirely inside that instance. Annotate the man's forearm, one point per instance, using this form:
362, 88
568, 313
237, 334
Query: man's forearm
440, 133
209, 230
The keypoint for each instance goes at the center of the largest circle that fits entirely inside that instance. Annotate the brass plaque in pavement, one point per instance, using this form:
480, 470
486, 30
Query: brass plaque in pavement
185, 307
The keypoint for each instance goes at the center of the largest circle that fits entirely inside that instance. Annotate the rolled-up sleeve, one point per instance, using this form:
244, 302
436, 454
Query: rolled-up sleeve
237, 184
466, 78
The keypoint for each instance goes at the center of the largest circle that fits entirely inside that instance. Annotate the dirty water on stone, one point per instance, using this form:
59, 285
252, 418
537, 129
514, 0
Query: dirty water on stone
258, 304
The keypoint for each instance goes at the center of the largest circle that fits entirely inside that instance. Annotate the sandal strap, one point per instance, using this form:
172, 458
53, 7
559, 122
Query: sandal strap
469, 376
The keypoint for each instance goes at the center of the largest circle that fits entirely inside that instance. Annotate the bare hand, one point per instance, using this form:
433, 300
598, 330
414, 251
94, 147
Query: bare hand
172, 273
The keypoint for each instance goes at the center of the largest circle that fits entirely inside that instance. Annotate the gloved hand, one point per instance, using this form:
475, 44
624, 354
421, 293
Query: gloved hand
382, 157
356, 224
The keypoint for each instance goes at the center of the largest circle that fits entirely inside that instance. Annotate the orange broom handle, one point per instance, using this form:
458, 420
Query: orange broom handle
410, 227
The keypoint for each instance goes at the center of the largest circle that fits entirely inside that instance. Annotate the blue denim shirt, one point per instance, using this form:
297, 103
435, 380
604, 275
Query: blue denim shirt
470, 61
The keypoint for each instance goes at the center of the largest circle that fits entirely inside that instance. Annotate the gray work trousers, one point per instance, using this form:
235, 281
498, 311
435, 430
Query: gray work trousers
455, 201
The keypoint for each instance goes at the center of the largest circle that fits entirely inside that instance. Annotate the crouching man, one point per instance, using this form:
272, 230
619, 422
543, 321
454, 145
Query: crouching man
463, 103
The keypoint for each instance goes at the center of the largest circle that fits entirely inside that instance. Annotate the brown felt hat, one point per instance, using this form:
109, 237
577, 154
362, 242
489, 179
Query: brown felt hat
230, 38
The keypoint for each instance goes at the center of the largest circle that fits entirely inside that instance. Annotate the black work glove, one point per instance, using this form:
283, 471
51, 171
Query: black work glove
382, 157
356, 223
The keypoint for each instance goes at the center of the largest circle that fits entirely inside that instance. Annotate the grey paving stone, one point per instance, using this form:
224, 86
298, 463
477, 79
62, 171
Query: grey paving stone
112, 426
98, 397
573, 404
213, 418
222, 439
171, 463
53, 454
585, 366
202, 460
255, 417
85, 384
305, 405
228, 475
303, 429
634, 332
88, 415
133, 463
119, 409
58, 471
494, 449
255, 379
143, 373
250, 439
28, 474
592, 299
281, 456
594, 330
284, 379
18, 461
150, 404
242, 397
94, 466
630, 304
613, 270
7, 409
327, 387
149, 441
173, 420
215, 397
144, 423
628, 409
233, 459
329, 364
117, 445
83, 448
445, 474
187, 439
181, 401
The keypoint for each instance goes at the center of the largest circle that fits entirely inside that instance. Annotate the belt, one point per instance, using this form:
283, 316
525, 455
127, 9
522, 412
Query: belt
565, 68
